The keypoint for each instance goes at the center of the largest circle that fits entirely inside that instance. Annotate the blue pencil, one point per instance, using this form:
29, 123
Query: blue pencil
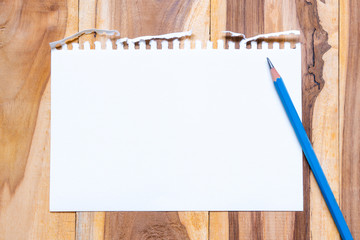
310, 154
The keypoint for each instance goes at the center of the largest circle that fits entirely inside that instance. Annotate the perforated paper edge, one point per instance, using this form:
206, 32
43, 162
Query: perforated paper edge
175, 42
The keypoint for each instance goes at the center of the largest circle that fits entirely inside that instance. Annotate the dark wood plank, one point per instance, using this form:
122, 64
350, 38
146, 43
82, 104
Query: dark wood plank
350, 112
246, 17
233, 225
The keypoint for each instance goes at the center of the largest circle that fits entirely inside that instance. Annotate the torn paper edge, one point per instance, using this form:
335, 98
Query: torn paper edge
260, 36
175, 40
86, 31
117, 33
163, 36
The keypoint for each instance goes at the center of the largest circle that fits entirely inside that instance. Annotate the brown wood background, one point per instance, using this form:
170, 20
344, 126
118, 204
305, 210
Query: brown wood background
331, 113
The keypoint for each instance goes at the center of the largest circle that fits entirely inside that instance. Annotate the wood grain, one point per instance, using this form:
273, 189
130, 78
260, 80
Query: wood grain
325, 127
218, 225
144, 225
218, 20
196, 224
315, 45
27, 27
350, 113
330, 113
245, 16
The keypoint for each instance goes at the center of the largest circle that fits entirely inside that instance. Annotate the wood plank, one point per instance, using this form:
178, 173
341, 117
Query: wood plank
218, 20
218, 225
25, 117
315, 45
245, 17
280, 15
89, 225
325, 121
249, 225
325, 127
87, 19
144, 225
218, 221
350, 113
196, 224
135, 19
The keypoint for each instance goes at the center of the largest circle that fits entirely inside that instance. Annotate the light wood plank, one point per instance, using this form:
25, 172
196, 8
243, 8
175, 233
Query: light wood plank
25, 118
280, 15
350, 113
87, 19
198, 20
218, 21
315, 45
218, 226
72, 23
325, 121
218, 221
90, 225
325, 128
196, 224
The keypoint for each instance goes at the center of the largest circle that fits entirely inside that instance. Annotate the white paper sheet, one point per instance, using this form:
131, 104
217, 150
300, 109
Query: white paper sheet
173, 130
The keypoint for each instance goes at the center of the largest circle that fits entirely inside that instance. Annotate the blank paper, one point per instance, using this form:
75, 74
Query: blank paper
173, 130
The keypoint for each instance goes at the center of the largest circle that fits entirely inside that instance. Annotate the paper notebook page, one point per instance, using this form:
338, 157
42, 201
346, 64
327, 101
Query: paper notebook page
174, 130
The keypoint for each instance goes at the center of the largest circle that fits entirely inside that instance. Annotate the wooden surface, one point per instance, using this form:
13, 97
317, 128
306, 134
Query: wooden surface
331, 112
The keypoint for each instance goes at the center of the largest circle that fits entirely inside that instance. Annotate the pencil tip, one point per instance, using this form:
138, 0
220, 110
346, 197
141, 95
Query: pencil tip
270, 63
274, 74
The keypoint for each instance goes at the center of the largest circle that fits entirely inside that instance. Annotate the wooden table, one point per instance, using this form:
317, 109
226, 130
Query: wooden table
331, 113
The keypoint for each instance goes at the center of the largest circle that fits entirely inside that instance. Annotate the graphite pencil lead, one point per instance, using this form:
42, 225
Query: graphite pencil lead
270, 63
274, 74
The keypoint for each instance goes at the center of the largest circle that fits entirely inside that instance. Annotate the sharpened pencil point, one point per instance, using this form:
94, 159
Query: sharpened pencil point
270, 63
274, 74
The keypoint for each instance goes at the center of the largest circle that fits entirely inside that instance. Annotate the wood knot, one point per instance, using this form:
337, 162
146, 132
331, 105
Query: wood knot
173, 231
54, 7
